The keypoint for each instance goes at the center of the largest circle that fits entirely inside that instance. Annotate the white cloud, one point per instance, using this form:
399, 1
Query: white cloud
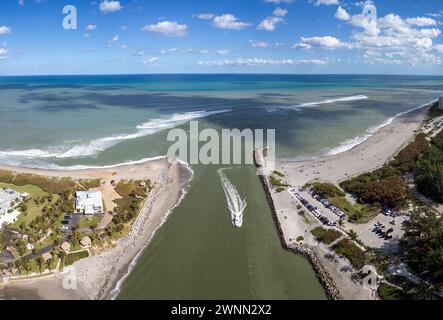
323, 42
229, 21
3, 53
325, 2
206, 16
263, 44
125, 46
222, 52
21, 2
114, 39
438, 47
367, 19
341, 14
5, 30
168, 28
263, 62
279, 12
392, 39
110, 6
91, 27
151, 60
421, 22
269, 24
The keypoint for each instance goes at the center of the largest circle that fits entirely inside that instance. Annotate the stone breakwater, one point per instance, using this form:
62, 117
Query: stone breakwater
325, 279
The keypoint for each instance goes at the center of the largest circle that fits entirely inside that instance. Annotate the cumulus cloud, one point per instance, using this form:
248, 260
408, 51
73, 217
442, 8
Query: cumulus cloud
229, 21
5, 30
262, 62
393, 39
279, 12
110, 6
421, 21
167, 28
91, 27
325, 2
270, 23
323, 42
341, 14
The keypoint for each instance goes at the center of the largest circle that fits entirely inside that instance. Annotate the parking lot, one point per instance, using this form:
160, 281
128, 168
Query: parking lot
312, 205
383, 232
375, 233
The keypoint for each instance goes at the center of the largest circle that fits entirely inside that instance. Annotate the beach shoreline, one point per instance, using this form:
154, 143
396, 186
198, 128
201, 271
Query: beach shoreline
101, 275
370, 155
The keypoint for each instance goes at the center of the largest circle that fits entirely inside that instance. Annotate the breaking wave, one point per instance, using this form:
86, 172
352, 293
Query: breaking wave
316, 104
352, 143
96, 146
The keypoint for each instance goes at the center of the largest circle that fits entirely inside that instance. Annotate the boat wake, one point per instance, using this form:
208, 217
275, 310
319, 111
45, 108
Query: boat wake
235, 203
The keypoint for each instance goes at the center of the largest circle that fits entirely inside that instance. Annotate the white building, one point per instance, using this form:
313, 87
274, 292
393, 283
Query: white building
89, 202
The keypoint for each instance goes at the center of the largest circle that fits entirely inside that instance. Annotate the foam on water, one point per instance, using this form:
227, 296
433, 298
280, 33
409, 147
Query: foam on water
97, 146
236, 204
316, 104
352, 143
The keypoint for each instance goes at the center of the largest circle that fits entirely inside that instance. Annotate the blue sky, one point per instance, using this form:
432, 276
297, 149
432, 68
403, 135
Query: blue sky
202, 36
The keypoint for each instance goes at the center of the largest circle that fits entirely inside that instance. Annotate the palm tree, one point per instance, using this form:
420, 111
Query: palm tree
353, 235
40, 263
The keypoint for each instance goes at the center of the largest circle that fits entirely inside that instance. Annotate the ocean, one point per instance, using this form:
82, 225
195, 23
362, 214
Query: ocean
79, 121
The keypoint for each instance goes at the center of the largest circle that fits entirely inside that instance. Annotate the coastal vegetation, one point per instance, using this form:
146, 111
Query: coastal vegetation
423, 245
38, 227
386, 186
73, 257
357, 213
90, 184
132, 194
276, 181
429, 171
326, 236
352, 252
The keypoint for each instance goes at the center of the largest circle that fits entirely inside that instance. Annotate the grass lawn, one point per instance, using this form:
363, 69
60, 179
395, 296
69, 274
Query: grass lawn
88, 222
91, 184
354, 254
33, 210
386, 292
326, 236
357, 213
73, 257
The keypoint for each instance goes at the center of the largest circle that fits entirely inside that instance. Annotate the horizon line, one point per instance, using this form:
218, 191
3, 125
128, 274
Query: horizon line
218, 73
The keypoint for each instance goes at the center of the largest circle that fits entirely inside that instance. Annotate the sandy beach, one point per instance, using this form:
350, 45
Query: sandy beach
370, 155
98, 276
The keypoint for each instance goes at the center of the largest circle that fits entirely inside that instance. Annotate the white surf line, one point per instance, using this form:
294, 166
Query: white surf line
352, 143
236, 204
316, 104
96, 146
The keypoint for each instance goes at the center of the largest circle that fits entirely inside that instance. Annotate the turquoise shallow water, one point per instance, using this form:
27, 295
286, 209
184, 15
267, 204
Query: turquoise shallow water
98, 120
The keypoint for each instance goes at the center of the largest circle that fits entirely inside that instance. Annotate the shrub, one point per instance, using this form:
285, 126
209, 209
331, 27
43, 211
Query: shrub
325, 236
73, 257
354, 254
326, 190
